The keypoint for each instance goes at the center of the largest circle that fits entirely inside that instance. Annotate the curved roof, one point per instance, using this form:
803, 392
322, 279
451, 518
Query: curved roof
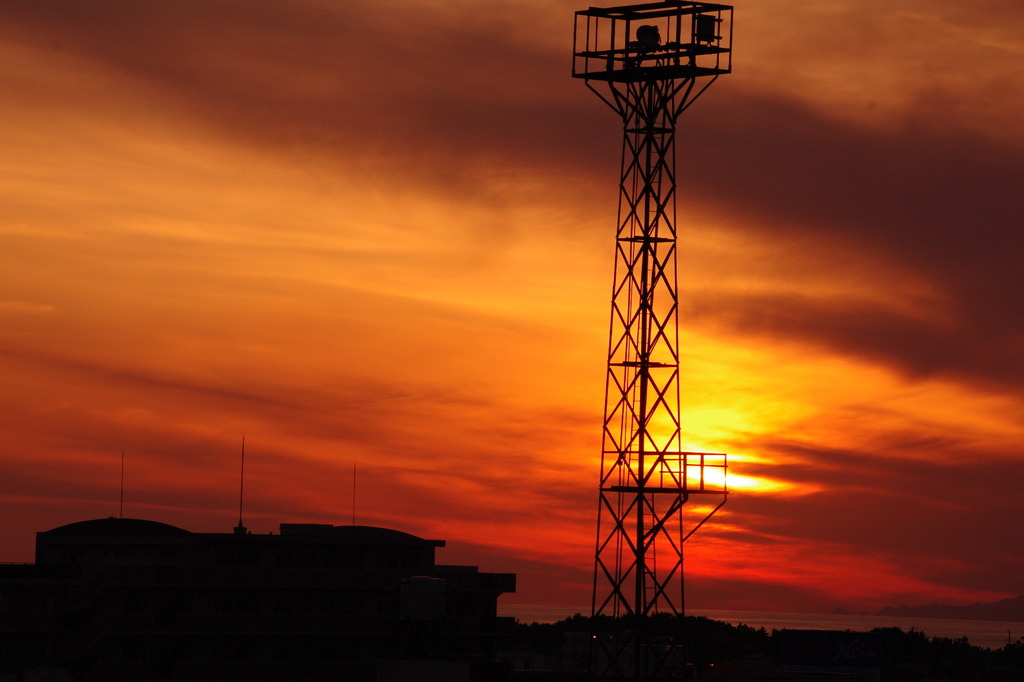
363, 533
376, 533
114, 527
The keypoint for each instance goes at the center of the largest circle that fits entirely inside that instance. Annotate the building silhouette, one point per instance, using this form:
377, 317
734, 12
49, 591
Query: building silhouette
130, 599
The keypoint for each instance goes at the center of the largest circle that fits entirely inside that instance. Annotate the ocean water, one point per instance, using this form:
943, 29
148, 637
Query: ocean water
983, 633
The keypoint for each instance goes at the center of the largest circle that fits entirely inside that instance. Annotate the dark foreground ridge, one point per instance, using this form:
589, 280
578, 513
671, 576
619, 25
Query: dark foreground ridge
715, 651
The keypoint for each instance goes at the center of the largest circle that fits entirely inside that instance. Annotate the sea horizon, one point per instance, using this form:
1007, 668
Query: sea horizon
981, 633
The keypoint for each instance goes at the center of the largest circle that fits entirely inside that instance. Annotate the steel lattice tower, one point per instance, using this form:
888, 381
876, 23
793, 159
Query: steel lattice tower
648, 62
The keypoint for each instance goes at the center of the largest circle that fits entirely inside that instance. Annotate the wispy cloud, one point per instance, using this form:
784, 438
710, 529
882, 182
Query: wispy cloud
382, 235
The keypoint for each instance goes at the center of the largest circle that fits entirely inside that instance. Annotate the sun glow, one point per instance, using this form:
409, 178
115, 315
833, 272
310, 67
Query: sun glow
764, 485
198, 248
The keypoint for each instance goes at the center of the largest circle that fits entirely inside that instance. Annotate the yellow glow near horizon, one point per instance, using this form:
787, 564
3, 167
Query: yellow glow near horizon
420, 283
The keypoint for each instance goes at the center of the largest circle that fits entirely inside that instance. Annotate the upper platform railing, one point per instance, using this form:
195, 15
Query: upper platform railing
653, 41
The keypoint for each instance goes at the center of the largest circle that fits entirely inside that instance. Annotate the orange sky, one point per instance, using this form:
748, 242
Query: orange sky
384, 236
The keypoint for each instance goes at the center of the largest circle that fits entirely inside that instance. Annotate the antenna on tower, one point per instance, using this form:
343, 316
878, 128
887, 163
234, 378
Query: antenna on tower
240, 529
120, 508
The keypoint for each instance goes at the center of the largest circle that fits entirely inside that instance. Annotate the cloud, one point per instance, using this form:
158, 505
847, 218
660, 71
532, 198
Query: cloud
383, 235
385, 92
940, 205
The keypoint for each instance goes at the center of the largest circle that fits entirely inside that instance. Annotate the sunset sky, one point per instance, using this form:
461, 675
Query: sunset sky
380, 234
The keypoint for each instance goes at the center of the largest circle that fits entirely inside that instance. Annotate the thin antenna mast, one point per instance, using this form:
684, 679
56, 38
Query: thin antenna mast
120, 509
240, 529
353, 493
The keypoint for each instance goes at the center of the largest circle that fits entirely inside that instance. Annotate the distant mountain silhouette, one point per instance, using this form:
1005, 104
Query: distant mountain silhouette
1005, 609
